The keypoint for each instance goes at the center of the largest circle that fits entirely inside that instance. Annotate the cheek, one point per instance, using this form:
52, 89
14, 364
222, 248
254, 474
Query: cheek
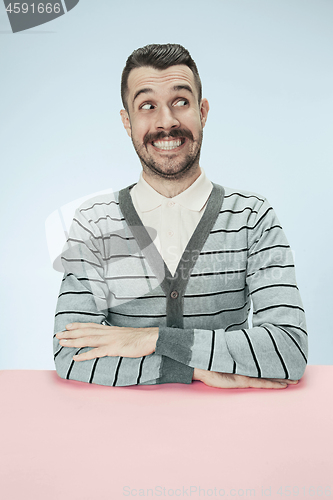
193, 122
139, 131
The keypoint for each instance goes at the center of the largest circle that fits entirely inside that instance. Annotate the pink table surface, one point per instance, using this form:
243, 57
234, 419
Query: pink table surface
64, 439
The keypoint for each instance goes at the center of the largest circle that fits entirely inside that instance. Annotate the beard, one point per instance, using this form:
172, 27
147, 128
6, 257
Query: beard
170, 167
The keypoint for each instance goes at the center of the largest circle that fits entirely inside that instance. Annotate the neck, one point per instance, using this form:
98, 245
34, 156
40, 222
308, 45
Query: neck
168, 187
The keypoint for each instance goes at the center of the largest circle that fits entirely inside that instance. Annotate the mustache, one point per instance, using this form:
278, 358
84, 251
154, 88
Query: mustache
179, 132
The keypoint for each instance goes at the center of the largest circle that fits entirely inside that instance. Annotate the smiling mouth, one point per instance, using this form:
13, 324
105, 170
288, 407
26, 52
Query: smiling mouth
168, 145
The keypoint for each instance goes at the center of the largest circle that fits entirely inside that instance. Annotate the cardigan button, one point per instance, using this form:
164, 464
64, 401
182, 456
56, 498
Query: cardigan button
174, 294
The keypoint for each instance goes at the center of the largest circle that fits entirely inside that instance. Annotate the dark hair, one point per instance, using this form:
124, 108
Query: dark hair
159, 57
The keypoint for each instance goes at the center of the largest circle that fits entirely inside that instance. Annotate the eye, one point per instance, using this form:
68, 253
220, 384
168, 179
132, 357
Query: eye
147, 106
182, 102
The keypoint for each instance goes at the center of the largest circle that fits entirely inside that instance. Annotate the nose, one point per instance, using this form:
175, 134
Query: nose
166, 119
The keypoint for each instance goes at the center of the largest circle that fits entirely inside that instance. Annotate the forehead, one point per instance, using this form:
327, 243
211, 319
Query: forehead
160, 80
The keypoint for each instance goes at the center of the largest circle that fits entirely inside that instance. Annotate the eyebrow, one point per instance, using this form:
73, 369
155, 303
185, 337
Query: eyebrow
176, 88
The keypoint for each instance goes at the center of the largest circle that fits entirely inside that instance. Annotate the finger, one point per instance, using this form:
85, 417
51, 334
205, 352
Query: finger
92, 354
255, 382
75, 326
65, 334
82, 332
87, 341
258, 383
284, 380
60, 334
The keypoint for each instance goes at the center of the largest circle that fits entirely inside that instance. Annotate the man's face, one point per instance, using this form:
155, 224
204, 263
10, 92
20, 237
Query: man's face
164, 120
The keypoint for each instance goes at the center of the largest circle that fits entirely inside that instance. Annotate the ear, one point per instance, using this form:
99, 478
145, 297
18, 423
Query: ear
126, 121
204, 108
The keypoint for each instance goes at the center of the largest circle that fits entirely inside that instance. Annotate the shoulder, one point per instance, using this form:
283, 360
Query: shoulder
244, 209
100, 213
246, 212
99, 203
236, 199
234, 194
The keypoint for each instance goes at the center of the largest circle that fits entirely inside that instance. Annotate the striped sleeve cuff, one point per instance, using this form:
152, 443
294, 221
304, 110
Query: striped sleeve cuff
175, 343
173, 372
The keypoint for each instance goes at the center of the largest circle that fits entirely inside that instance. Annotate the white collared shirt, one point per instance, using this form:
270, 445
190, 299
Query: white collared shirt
174, 219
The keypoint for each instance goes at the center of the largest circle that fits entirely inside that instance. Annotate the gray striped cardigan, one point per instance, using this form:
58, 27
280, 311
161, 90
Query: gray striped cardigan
238, 254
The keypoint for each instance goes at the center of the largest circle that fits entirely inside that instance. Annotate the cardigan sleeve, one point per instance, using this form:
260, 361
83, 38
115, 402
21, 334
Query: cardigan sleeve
276, 346
83, 298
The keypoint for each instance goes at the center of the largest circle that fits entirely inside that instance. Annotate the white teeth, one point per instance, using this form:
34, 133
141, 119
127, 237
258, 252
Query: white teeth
167, 144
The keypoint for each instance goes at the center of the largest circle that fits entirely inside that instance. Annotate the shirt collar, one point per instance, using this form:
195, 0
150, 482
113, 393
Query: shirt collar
193, 198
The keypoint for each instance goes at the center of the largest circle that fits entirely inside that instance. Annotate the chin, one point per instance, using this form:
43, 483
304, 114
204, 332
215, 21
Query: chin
171, 173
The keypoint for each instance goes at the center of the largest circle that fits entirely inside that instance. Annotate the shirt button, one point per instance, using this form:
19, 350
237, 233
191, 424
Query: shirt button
170, 233
174, 294
171, 204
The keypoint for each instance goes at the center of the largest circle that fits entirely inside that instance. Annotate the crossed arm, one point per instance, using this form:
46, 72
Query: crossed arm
275, 347
138, 342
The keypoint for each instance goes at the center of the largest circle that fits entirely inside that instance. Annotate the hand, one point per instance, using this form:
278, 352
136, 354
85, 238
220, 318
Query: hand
233, 381
108, 340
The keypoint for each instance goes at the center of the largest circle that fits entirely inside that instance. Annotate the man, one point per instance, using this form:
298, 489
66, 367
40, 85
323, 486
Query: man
159, 277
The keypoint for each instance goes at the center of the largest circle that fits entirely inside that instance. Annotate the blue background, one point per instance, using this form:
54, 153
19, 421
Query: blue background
267, 71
